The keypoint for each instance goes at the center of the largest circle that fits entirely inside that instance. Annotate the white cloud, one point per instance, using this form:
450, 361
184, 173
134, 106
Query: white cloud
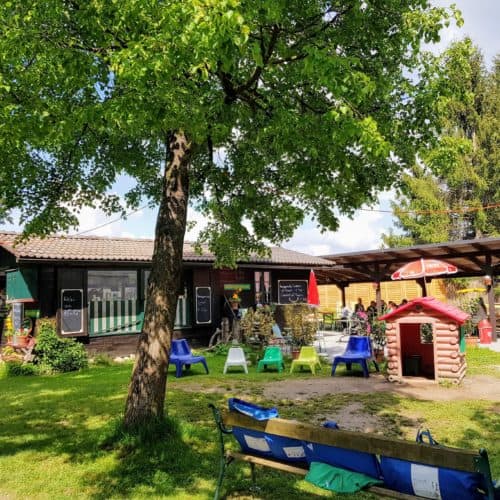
361, 233
200, 223
480, 24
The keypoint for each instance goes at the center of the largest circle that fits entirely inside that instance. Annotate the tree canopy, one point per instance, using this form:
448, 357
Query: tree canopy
454, 191
292, 93
312, 106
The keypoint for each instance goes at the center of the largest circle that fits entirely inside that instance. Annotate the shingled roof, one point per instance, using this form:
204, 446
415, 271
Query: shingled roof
97, 248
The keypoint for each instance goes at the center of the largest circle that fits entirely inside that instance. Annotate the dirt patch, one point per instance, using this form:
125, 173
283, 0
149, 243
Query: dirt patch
355, 418
481, 387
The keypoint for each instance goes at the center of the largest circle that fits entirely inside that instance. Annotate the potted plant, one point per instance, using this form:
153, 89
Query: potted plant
303, 328
379, 339
21, 338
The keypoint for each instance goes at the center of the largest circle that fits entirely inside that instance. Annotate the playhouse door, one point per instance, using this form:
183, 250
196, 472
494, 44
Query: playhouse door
417, 357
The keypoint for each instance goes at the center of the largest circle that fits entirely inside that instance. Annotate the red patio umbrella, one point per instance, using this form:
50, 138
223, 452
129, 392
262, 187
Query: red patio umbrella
423, 268
312, 290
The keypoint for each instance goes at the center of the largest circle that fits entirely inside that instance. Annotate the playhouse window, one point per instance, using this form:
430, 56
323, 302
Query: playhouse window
426, 333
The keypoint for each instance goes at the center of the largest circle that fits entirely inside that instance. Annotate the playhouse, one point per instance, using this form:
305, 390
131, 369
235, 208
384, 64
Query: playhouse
424, 340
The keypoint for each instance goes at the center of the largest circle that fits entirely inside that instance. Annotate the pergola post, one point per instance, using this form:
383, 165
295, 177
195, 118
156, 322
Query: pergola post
378, 297
342, 286
490, 290
491, 310
423, 286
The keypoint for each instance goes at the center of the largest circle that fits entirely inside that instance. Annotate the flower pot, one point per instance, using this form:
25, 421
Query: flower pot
20, 340
378, 355
295, 353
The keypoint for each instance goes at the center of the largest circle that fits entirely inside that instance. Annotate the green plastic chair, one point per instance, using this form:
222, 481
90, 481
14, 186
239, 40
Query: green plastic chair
307, 357
272, 357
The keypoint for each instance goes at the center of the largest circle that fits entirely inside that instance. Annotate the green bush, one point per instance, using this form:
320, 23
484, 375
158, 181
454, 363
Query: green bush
18, 368
60, 355
102, 359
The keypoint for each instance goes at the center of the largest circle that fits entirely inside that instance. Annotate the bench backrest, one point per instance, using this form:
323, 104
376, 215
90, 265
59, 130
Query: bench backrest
453, 458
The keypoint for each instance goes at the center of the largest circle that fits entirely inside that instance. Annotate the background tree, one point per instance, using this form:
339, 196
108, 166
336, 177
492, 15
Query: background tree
308, 103
443, 196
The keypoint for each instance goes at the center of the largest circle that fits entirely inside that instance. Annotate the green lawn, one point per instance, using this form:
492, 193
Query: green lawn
54, 433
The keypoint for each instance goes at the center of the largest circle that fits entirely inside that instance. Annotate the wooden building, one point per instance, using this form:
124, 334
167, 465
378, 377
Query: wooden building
424, 339
96, 287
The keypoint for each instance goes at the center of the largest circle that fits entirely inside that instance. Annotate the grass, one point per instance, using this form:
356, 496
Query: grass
56, 432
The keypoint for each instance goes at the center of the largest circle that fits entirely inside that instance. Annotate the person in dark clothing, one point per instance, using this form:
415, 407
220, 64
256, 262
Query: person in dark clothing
372, 311
359, 307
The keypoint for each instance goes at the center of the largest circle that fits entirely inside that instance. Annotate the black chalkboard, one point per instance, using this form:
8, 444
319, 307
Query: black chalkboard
203, 304
71, 311
17, 315
292, 291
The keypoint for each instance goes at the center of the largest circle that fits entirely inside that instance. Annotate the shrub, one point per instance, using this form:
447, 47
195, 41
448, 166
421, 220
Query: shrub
61, 355
18, 368
102, 359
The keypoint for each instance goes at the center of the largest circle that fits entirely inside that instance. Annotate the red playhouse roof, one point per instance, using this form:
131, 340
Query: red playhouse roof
452, 312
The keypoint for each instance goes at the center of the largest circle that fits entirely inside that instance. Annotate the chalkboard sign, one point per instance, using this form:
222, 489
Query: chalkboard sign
17, 315
71, 311
203, 305
292, 291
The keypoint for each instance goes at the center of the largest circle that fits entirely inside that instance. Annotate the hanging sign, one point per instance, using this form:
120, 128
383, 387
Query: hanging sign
237, 286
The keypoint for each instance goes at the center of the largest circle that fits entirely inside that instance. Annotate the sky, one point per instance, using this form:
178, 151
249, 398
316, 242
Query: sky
364, 230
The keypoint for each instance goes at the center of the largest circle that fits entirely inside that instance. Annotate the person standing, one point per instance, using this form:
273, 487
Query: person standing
392, 306
359, 307
372, 311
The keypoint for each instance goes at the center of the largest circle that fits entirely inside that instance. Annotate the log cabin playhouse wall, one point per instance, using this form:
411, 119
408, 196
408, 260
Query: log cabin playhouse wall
444, 355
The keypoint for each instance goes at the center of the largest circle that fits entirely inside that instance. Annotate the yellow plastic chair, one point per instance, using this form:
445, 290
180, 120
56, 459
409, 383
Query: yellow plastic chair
307, 357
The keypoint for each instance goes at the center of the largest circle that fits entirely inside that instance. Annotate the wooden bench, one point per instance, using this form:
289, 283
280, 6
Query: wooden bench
451, 458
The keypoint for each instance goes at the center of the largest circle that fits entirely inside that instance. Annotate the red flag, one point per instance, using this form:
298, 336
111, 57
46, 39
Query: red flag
312, 290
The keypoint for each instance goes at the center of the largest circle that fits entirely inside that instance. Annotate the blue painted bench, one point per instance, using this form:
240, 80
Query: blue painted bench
277, 444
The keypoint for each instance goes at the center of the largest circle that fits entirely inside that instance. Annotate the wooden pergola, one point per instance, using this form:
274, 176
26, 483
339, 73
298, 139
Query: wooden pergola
473, 258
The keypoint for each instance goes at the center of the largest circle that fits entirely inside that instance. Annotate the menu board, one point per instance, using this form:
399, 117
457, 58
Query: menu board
203, 305
71, 311
292, 291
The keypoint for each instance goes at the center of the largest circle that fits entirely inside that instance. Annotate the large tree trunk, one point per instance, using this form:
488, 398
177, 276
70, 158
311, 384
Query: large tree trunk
146, 394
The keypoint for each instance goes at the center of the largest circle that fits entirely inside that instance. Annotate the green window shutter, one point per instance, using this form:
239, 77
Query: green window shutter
22, 284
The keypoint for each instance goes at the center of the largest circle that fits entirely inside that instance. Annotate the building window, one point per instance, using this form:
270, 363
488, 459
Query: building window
112, 285
262, 287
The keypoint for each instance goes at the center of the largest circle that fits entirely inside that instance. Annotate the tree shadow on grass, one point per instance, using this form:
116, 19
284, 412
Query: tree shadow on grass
167, 466
48, 413
64, 418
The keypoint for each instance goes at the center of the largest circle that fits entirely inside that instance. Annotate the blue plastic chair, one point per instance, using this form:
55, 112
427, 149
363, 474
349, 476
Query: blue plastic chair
181, 355
358, 350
